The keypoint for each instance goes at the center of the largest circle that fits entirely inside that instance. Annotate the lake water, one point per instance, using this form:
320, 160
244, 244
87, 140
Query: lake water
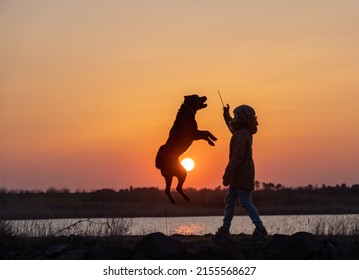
316, 224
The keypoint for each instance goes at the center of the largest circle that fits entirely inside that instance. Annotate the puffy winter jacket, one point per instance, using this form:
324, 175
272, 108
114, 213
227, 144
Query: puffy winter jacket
240, 170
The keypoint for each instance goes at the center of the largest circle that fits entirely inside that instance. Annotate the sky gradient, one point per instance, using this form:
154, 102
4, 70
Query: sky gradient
90, 89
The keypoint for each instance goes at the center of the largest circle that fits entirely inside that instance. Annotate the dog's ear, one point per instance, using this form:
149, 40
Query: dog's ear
191, 100
195, 101
191, 97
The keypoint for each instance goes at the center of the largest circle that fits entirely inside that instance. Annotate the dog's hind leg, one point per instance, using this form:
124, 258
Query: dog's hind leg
181, 180
168, 188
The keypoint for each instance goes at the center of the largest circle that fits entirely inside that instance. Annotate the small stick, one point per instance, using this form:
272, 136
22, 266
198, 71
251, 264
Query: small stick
220, 97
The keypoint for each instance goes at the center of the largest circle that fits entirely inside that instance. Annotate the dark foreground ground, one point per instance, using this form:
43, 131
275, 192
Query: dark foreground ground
299, 246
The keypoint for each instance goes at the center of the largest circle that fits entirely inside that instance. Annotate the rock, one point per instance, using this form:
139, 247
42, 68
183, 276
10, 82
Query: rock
258, 250
158, 246
3, 250
32, 254
56, 250
80, 254
354, 252
329, 250
113, 253
230, 249
205, 251
299, 246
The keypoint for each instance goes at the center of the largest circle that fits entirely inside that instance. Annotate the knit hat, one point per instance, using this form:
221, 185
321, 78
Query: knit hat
243, 113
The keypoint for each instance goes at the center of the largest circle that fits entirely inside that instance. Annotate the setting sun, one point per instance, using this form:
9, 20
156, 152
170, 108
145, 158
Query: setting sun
188, 164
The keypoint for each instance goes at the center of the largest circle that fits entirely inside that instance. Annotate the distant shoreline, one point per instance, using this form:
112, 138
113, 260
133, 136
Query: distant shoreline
152, 202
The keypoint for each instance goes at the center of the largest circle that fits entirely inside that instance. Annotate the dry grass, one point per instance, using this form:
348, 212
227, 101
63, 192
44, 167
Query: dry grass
337, 227
83, 227
6, 228
325, 226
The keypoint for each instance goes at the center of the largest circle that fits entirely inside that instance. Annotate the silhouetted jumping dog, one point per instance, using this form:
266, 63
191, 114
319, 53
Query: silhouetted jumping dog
183, 132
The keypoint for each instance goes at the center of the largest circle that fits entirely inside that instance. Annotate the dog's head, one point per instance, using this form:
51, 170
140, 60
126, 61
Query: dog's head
195, 102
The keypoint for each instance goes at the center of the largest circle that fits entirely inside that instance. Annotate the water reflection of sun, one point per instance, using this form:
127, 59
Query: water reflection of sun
189, 229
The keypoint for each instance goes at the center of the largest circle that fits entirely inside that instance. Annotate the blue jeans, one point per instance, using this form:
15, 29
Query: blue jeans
246, 202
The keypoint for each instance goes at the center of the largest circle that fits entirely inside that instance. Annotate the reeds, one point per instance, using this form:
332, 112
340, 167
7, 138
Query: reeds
321, 226
343, 226
82, 227
6, 228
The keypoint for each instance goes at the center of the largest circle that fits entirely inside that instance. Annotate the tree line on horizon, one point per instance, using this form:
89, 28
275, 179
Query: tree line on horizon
258, 186
270, 199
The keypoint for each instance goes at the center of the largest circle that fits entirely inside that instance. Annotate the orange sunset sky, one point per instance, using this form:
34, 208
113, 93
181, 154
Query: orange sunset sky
90, 89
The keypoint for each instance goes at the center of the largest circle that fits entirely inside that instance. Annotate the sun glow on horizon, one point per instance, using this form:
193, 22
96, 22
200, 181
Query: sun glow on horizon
188, 164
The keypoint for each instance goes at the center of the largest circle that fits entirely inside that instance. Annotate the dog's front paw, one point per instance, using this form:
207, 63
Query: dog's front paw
211, 137
210, 142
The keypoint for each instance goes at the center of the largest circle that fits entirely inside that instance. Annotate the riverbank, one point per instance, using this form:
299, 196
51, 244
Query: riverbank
152, 202
299, 246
